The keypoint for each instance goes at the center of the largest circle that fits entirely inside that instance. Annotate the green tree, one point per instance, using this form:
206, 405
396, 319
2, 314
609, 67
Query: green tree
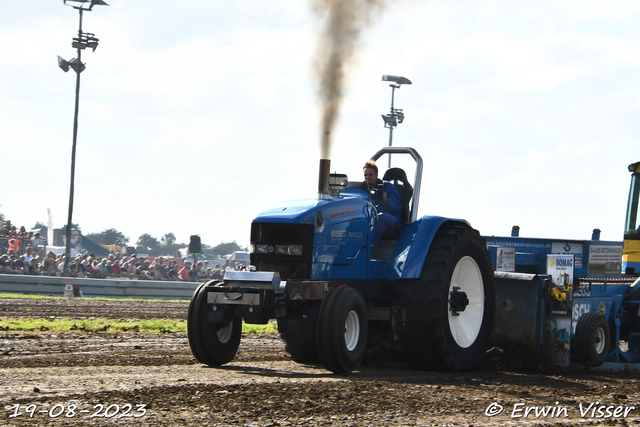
226, 248
73, 227
168, 239
146, 241
41, 227
109, 237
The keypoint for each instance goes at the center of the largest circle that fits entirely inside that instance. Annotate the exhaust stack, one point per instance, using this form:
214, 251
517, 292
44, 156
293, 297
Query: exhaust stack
323, 178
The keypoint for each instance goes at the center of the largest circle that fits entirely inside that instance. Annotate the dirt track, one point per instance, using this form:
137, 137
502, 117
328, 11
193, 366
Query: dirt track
262, 386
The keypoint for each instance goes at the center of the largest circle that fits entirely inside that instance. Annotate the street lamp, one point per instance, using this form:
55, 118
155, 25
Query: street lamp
83, 41
395, 116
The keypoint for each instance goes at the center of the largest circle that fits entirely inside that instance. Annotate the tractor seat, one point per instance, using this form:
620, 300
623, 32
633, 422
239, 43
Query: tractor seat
398, 177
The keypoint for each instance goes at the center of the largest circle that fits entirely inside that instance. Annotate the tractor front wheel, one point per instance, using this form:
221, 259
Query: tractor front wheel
212, 343
299, 337
342, 330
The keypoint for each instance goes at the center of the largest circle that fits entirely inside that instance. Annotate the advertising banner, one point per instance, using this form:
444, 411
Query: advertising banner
559, 308
605, 260
506, 259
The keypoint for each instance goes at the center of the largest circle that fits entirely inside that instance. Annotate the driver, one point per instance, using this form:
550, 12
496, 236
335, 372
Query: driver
386, 199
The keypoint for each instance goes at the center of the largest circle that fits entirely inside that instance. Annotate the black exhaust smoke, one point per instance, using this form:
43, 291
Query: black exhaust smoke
343, 22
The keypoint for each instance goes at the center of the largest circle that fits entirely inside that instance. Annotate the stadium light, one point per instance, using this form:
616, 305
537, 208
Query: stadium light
83, 41
395, 116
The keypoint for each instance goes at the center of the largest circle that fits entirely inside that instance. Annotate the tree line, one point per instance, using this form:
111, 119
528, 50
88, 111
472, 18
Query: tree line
167, 244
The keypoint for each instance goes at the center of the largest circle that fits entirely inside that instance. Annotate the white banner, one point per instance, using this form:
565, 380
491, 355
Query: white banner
50, 228
506, 259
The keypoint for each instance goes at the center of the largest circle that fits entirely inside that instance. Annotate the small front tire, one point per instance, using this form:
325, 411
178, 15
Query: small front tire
342, 330
212, 343
300, 339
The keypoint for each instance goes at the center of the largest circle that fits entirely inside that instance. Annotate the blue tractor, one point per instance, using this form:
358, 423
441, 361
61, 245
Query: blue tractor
426, 289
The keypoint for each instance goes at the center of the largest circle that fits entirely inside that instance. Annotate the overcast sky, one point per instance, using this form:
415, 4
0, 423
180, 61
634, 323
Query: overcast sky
195, 117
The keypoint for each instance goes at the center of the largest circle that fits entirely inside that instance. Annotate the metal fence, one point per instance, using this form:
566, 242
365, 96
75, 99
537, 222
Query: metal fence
111, 288
22, 243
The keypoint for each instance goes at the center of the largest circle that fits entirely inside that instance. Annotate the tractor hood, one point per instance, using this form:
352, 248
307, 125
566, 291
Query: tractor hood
319, 212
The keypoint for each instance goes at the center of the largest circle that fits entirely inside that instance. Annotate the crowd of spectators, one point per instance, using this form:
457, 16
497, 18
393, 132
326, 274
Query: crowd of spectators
140, 268
33, 261
114, 266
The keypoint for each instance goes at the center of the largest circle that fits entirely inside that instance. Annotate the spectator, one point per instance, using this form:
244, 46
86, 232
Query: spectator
59, 264
105, 268
76, 269
154, 274
183, 274
13, 244
19, 265
115, 265
132, 271
93, 271
37, 241
143, 268
161, 268
6, 266
196, 272
172, 271
33, 267
216, 274
28, 255
5, 229
49, 264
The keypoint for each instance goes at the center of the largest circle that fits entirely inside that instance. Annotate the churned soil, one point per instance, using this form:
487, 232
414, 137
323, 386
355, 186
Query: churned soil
79, 378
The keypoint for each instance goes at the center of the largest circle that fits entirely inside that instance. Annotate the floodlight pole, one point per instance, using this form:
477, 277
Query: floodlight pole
67, 249
393, 90
395, 116
81, 43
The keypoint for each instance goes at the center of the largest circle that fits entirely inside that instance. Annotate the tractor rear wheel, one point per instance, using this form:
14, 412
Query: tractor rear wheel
342, 330
212, 343
592, 339
299, 337
450, 309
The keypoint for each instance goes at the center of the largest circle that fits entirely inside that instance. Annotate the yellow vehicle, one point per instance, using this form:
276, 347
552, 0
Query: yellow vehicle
631, 251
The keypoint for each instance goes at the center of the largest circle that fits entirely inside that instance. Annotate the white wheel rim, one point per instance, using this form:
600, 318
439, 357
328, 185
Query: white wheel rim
600, 343
224, 333
351, 330
465, 326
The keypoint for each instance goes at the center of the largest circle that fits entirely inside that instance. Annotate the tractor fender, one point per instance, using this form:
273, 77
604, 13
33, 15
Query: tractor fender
411, 250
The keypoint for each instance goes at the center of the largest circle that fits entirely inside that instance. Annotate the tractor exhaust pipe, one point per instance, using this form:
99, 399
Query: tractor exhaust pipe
323, 178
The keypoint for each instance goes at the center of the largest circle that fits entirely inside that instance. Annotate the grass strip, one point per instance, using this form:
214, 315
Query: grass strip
114, 325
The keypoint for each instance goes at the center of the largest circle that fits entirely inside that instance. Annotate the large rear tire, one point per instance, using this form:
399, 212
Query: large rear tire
342, 330
592, 339
450, 309
299, 337
213, 344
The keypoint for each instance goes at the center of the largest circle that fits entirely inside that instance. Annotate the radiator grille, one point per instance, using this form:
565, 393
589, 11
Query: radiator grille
290, 267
